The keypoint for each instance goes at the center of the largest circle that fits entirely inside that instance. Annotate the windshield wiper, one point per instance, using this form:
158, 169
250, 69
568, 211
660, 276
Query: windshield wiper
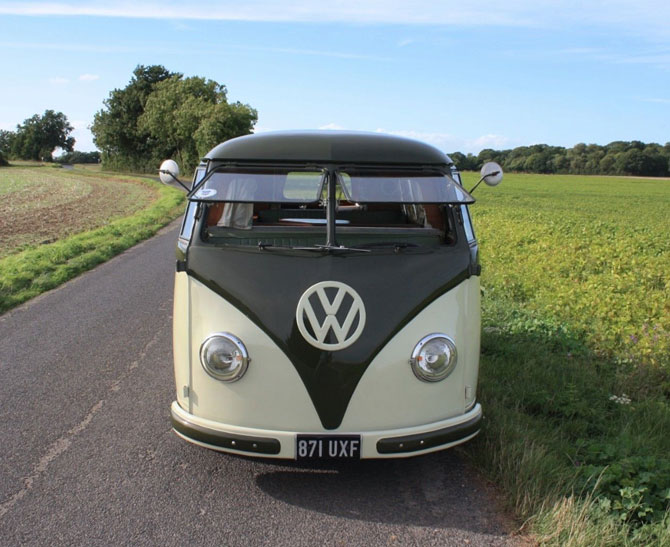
332, 248
318, 248
396, 245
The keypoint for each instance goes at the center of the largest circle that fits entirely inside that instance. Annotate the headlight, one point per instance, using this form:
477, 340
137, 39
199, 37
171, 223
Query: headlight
224, 357
433, 358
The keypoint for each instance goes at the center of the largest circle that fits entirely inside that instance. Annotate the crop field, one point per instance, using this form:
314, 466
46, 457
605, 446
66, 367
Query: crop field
41, 205
57, 223
575, 377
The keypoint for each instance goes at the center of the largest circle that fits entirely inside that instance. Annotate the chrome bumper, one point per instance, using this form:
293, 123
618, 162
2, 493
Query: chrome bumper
396, 443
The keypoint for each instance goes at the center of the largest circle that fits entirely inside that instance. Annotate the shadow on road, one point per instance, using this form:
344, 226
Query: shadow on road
436, 491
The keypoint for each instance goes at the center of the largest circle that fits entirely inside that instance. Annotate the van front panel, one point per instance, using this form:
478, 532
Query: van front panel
267, 286
272, 396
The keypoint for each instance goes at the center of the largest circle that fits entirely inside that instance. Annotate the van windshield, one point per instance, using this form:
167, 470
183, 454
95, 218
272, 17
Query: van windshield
289, 185
279, 185
401, 186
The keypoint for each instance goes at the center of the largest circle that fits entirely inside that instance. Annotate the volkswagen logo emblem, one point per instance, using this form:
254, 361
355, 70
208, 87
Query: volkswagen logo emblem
330, 306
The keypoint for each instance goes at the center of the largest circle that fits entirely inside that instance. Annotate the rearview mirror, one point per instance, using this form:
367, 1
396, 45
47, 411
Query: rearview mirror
168, 172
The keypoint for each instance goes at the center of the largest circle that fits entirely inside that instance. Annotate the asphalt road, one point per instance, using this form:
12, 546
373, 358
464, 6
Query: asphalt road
87, 455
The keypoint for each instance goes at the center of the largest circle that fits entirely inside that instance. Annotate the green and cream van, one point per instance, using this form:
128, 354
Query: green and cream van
327, 300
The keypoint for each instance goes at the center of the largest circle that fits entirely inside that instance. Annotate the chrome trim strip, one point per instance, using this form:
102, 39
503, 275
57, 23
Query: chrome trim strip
431, 439
244, 443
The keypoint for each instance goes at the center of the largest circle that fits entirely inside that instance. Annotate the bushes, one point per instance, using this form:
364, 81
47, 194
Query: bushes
79, 157
634, 489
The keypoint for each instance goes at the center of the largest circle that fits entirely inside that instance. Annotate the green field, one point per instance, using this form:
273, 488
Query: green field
575, 378
57, 223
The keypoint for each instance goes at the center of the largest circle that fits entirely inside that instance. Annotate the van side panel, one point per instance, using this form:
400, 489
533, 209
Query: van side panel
472, 318
181, 340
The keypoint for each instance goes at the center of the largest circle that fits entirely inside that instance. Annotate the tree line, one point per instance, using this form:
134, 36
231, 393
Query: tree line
616, 158
159, 114
37, 137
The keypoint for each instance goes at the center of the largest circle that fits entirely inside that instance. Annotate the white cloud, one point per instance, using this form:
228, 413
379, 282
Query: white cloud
332, 126
490, 141
182, 27
656, 100
353, 11
642, 14
58, 80
87, 48
89, 77
450, 143
656, 56
90, 48
314, 52
263, 129
406, 42
443, 141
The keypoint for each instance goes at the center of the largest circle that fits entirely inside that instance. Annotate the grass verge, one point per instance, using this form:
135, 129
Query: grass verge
575, 367
35, 270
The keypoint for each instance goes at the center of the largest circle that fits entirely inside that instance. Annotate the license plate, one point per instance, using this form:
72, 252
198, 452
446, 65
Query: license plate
337, 447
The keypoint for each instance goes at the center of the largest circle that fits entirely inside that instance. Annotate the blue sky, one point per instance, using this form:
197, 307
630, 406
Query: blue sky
460, 75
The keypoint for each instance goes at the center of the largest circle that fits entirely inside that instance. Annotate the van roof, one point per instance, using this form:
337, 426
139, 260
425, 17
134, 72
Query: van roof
328, 147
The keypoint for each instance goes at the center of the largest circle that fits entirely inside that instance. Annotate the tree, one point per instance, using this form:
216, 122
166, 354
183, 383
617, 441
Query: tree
607, 164
38, 136
630, 162
160, 114
559, 162
536, 163
188, 116
5, 146
465, 163
655, 163
124, 144
224, 122
6, 138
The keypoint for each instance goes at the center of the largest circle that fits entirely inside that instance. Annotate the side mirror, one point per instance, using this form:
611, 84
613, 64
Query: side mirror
168, 172
491, 174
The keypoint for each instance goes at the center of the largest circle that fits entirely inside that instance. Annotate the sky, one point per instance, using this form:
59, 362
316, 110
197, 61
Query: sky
462, 76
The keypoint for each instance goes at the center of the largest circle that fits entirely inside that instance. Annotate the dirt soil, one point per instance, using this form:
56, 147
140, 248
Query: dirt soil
44, 207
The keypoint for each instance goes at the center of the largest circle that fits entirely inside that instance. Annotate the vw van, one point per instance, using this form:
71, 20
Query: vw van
326, 300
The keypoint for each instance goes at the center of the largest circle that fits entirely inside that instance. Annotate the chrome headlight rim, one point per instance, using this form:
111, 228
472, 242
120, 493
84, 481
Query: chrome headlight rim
419, 372
239, 372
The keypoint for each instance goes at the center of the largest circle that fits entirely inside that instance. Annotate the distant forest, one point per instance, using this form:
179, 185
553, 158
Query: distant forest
615, 158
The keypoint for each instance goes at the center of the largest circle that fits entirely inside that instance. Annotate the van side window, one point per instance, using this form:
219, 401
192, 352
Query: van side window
189, 219
467, 223
199, 174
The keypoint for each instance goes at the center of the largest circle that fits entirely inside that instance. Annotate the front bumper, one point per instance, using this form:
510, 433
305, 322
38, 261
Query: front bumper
396, 443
